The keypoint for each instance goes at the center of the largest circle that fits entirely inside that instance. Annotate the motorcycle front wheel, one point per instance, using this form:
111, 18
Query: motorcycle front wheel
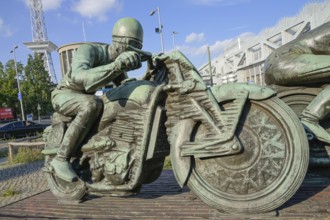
268, 171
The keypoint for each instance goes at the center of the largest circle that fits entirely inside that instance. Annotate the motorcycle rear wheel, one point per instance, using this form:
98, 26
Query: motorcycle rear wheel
65, 192
298, 99
267, 173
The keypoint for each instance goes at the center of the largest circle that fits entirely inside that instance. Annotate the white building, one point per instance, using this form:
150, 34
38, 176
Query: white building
243, 60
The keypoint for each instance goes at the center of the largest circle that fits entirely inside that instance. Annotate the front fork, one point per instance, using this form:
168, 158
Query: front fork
221, 126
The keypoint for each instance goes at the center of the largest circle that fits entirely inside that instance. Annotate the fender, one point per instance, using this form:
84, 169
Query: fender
181, 165
228, 91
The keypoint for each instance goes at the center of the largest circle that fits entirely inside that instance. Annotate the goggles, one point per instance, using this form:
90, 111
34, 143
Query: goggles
128, 41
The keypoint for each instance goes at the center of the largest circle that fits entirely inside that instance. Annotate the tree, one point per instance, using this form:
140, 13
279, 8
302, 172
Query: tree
2, 94
8, 85
37, 86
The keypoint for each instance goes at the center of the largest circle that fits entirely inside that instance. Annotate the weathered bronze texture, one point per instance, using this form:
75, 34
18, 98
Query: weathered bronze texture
238, 147
302, 61
300, 72
93, 66
234, 151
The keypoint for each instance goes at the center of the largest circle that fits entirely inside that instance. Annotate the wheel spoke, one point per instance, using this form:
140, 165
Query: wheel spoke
270, 169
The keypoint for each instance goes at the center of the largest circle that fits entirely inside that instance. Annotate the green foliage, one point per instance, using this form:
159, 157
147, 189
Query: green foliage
9, 192
167, 164
8, 85
27, 155
35, 85
3, 154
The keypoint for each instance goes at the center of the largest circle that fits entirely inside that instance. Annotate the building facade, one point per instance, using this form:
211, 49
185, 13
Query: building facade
243, 60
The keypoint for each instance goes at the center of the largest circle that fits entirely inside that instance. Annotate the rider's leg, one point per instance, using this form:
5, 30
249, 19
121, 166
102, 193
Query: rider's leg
315, 112
296, 69
61, 162
86, 110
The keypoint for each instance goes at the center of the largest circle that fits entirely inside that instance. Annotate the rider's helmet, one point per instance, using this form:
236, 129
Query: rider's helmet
128, 31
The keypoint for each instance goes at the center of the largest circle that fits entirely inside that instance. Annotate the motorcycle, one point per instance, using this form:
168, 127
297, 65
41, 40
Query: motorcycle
238, 147
298, 98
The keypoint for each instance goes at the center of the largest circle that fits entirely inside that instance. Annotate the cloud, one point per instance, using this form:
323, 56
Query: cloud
198, 55
51, 4
217, 48
194, 37
246, 35
67, 19
239, 28
47, 4
95, 8
5, 30
193, 51
218, 2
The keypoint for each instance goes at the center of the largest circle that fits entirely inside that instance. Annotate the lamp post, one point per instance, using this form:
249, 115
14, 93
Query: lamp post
173, 37
19, 95
160, 28
210, 67
39, 108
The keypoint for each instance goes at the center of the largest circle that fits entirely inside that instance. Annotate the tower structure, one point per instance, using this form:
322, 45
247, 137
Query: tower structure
40, 43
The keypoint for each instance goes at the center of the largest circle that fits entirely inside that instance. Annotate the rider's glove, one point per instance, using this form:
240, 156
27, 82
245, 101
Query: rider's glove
129, 60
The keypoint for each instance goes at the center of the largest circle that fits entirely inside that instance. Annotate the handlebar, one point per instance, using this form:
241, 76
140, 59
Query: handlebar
145, 55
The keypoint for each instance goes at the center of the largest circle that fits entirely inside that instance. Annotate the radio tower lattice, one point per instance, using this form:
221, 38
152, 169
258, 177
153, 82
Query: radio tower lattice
40, 43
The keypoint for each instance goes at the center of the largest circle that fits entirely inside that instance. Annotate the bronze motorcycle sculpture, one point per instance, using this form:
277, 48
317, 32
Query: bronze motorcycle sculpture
300, 73
298, 98
236, 146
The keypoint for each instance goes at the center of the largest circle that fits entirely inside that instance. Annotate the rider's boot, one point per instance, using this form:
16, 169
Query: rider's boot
63, 169
71, 140
315, 112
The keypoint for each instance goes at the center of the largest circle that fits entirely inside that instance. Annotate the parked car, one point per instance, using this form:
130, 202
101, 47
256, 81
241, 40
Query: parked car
6, 121
19, 129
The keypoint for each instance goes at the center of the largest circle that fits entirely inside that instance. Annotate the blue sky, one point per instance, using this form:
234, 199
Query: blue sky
199, 23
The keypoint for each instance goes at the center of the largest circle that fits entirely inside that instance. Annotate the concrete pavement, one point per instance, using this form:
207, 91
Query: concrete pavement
23, 179
162, 199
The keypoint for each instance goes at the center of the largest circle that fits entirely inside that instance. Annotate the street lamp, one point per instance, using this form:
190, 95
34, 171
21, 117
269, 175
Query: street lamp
160, 28
210, 67
173, 37
39, 108
19, 95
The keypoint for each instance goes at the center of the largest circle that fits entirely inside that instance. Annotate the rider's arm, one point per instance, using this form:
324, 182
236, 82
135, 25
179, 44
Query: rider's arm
83, 70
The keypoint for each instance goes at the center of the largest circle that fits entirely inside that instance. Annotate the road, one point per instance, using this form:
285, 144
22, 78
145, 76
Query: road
4, 143
43, 121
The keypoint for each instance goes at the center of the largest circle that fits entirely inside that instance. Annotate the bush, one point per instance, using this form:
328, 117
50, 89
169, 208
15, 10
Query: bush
3, 153
9, 192
27, 155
